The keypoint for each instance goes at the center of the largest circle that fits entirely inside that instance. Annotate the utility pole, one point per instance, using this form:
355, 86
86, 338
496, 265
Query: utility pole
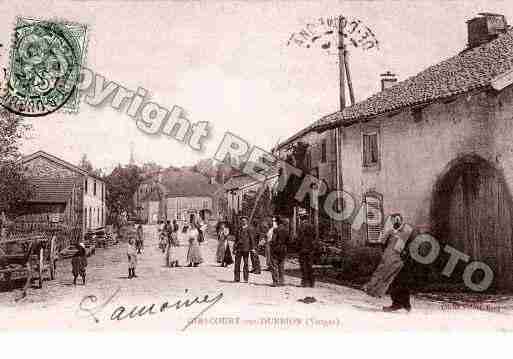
341, 61
343, 72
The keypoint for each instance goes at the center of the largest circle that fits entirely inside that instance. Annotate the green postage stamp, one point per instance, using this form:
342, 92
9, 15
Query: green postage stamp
45, 61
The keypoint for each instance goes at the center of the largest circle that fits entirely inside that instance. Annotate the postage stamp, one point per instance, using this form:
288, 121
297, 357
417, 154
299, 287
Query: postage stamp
45, 61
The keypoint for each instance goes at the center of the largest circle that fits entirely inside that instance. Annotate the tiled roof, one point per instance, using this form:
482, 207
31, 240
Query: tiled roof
187, 183
242, 180
51, 190
469, 70
59, 161
238, 181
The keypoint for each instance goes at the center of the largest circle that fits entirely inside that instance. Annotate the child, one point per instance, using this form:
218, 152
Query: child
79, 263
132, 258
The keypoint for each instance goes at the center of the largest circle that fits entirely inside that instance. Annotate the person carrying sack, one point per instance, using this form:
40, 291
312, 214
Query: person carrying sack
391, 273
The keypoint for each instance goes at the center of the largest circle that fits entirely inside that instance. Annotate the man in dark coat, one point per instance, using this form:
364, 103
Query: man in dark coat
307, 246
244, 244
279, 242
139, 241
79, 263
253, 254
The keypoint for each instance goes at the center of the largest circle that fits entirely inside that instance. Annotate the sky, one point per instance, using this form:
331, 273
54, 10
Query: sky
228, 63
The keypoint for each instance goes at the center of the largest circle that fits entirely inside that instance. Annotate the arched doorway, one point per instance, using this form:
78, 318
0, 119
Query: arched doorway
472, 212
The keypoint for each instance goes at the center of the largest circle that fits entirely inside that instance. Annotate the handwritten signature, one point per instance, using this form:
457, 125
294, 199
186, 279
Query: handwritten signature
91, 307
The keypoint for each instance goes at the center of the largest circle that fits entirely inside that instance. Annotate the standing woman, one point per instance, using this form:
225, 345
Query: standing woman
131, 253
201, 225
227, 254
221, 239
172, 249
194, 257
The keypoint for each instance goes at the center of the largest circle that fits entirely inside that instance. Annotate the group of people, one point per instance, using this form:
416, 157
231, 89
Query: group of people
391, 275
171, 238
275, 239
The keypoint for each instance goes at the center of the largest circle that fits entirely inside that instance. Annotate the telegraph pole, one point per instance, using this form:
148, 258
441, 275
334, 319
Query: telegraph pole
343, 71
341, 61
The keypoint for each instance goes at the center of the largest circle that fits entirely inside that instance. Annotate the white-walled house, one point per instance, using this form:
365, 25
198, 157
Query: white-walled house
66, 190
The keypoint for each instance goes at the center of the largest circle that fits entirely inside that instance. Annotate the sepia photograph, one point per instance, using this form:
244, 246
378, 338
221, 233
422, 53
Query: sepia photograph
240, 167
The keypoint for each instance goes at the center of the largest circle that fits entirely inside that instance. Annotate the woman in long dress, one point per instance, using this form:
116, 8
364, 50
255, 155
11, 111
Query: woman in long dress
221, 239
227, 254
194, 257
223, 253
172, 249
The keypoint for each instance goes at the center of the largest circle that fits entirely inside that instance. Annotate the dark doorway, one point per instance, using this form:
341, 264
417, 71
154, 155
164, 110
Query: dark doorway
472, 212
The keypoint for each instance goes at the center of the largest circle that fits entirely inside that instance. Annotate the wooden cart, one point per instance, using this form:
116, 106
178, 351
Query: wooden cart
42, 262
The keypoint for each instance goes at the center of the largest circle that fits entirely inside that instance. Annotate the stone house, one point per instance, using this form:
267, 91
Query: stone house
175, 194
437, 148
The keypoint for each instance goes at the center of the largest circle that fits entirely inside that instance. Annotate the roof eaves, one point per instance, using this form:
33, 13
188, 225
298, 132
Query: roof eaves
348, 121
57, 160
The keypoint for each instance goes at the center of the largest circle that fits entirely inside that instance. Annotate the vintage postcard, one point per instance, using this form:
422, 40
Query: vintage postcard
222, 166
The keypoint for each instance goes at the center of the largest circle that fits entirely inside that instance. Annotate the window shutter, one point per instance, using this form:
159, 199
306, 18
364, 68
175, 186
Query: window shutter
373, 216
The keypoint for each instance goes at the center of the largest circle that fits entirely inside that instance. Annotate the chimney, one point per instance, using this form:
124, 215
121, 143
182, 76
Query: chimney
485, 28
388, 79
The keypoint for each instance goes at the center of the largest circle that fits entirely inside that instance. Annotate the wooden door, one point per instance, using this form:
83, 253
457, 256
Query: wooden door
480, 221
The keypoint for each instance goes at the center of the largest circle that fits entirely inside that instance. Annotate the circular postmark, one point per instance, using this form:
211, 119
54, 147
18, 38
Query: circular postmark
44, 69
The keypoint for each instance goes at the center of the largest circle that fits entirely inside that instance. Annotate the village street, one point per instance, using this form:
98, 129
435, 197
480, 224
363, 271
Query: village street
255, 305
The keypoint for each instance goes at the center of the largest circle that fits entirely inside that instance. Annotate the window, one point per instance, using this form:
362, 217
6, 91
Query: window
323, 151
97, 216
85, 186
205, 204
94, 188
102, 190
370, 149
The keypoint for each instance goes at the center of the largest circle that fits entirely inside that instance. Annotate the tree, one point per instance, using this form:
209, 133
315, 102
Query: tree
122, 183
206, 167
150, 168
285, 200
221, 171
85, 164
14, 187
262, 210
